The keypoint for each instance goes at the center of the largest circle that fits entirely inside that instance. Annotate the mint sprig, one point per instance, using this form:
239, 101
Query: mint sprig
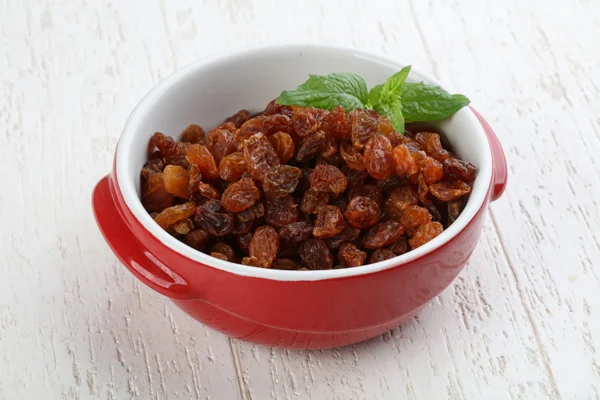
401, 101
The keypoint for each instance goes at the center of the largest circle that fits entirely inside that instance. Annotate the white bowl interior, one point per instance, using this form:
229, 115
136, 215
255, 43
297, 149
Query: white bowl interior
212, 89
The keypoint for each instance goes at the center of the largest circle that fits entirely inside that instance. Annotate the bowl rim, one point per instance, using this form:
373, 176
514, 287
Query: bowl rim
477, 198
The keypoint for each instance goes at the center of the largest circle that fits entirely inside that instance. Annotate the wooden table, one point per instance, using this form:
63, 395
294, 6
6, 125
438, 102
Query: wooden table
523, 319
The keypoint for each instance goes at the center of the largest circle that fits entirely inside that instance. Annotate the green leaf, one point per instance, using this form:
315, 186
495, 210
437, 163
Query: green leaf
346, 89
374, 95
422, 102
392, 87
394, 112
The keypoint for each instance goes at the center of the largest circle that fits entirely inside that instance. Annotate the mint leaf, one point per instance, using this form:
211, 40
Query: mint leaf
374, 95
346, 89
392, 87
421, 102
393, 110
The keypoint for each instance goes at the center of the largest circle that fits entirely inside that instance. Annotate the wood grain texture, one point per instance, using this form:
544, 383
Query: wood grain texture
523, 319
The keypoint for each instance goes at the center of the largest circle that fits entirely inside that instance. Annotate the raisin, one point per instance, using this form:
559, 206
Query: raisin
304, 121
304, 183
347, 235
340, 202
455, 207
280, 211
381, 255
429, 142
351, 256
202, 158
239, 118
312, 201
447, 191
327, 178
243, 241
195, 177
173, 152
210, 218
329, 148
281, 180
362, 212
410, 144
398, 200
354, 177
274, 108
170, 215
260, 156
460, 170
405, 164
310, 146
240, 195
232, 167
296, 232
364, 125
266, 124
197, 239
219, 256
353, 158
181, 227
208, 191
370, 191
433, 170
220, 143
242, 227
284, 146
413, 217
382, 234
285, 264
441, 155
251, 261
315, 254
225, 250
264, 245
154, 194
425, 233
400, 246
329, 222
338, 123
419, 157
258, 209
193, 134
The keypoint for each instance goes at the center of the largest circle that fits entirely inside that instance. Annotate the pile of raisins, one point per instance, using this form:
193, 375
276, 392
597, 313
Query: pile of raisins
298, 188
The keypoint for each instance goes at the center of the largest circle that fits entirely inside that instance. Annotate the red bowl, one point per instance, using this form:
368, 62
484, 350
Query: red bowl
297, 309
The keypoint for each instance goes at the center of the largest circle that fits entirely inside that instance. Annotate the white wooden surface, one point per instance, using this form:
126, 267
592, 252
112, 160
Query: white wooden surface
521, 322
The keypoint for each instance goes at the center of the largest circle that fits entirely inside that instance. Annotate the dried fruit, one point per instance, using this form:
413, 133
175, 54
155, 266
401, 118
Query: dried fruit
208, 191
239, 118
433, 170
455, 207
400, 246
398, 200
210, 217
353, 158
202, 158
378, 157
264, 245
281, 180
413, 217
220, 143
176, 180
351, 256
329, 222
460, 170
173, 152
447, 191
274, 108
304, 121
338, 123
381, 255
284, 146
243, 241
315, 254
260, 156
225, 250
405, 164
370, 191
280, 211
362, 212
251, 261
312, 201
310, 146
429, 141
240, 195
425, 233
193, 134
170, 215
197, 239
285, 264
382, 234
154, 194
219, 256
364, 125
232, 167
327, 178
181, 227
295, 232
349, 234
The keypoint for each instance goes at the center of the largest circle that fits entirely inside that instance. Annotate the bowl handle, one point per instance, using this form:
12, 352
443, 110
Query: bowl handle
499, 168
141, 262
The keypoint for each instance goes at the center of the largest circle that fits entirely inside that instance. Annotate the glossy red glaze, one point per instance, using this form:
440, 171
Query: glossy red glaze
297, 314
